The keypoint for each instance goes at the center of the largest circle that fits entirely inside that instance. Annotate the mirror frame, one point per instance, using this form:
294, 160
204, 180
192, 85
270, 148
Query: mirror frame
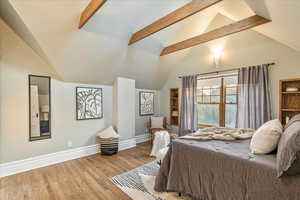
31, 139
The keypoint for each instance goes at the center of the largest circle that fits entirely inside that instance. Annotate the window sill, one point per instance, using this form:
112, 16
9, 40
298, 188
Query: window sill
204, 126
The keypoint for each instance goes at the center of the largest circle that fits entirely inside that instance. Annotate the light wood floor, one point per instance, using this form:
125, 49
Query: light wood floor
86, 178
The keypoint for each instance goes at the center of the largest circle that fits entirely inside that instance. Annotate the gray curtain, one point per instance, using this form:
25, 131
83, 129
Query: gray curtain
254, 99
188, 109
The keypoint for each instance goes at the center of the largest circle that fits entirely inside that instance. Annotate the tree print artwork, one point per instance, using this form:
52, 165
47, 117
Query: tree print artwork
89, 103
146, 103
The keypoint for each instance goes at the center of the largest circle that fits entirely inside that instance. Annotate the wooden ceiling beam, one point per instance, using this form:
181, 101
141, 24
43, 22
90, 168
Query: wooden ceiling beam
236, 27
172, 18
89, 11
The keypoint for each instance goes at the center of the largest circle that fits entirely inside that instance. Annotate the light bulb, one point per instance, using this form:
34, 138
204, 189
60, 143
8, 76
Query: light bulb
217, 54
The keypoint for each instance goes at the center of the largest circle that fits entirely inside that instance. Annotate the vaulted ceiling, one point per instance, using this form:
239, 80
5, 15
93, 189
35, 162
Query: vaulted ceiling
99, 52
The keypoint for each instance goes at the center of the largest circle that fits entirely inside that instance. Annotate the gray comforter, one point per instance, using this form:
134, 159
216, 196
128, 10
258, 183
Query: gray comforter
222, 170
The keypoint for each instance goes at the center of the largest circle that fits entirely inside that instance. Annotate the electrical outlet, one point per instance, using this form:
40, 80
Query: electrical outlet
70, 144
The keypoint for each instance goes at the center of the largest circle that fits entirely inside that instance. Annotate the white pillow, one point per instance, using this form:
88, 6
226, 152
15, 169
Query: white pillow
108, 133
266, 138
157, 122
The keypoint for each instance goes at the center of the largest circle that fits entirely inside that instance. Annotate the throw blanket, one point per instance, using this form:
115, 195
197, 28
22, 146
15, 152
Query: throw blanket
214, 133
161, 141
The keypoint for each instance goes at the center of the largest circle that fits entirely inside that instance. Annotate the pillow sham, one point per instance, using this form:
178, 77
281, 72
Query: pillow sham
157, 122
266, 138
288, 155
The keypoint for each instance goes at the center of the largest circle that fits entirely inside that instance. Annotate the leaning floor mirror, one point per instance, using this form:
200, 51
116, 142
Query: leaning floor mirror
39, 107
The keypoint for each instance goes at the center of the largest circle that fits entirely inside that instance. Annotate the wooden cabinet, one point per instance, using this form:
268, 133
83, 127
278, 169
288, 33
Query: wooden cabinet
174, 106
289, 102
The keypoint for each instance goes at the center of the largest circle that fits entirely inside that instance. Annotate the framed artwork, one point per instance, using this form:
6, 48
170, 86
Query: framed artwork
89, 103
146, 103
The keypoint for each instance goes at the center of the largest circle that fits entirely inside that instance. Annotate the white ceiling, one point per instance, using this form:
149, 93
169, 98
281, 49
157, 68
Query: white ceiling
98, 52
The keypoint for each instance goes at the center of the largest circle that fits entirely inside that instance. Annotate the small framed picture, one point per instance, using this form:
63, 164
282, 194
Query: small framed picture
146, 103
89, 103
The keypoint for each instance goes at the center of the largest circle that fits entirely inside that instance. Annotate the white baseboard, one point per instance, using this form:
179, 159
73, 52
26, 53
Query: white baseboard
142, 138
127, 144
19, 166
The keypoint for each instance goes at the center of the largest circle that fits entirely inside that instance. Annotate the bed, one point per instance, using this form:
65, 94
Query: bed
223, 170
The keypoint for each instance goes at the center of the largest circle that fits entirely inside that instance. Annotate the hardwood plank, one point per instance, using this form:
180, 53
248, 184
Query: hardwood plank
236, 27
176, 16
85, 178
89, 11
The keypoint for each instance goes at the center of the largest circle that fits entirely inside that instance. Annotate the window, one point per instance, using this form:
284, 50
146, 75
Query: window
230, 105
217, 101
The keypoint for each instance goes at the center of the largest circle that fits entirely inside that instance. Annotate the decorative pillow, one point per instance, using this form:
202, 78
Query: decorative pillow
266, 138
288, 155
157, 122
108, 133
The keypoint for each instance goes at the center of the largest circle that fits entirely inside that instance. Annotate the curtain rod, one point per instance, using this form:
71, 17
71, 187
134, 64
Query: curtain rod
217, 76
226, 70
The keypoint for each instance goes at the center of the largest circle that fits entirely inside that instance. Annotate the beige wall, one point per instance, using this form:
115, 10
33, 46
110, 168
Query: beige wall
240, 50
17, 61
9, 14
